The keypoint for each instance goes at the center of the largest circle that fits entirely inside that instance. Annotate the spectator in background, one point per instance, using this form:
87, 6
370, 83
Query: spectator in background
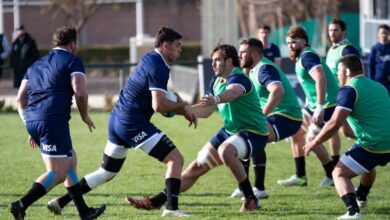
4, 51
271, 51
24, 53
379, 59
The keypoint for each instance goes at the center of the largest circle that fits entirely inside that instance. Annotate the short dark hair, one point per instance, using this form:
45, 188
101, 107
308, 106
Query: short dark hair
384, 26
298, 32
64, 35
166, 35
265, 27
352, 62
228, 51
254, 44
339, 22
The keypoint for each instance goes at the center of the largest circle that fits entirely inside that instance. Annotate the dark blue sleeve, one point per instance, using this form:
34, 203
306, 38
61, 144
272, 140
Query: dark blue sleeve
211, 85
26, 76
268, 74
346, 97
276, 50
242, 80
158, 75
76, 65
310, 60
371, 63
350, 50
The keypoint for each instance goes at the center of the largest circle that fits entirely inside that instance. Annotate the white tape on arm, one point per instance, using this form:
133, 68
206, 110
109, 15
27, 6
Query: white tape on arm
22, 115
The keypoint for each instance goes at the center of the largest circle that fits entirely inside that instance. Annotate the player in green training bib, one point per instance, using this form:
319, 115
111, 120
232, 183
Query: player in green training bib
244, 133
280, 105
340, 47
320, 88
365, 105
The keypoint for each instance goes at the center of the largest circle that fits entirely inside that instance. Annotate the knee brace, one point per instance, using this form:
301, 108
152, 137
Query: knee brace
240, 145
99, 177
205, 158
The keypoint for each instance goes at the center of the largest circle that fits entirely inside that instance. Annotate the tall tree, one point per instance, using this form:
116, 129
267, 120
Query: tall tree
77, 12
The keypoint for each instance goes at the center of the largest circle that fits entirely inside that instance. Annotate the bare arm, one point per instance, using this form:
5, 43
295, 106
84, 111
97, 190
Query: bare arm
331, 127
21, 102
160, 103
232, 92
318, 76
202, 111
21, 99
276, 93
79, 87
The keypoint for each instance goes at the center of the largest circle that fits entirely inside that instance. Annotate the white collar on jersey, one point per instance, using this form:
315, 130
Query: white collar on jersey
340, 43
158, 52
60, 48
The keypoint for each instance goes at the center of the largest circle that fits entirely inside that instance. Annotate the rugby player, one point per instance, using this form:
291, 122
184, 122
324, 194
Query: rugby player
365, 105
279, 104
130, 127
233, 93
340, 47
44, 100
320, 88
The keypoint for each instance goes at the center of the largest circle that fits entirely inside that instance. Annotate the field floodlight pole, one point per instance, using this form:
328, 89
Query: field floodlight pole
139, 19
16, 16
16, 13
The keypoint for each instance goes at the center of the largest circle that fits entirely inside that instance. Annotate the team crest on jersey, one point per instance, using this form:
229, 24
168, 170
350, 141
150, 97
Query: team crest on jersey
49, 148
139, 137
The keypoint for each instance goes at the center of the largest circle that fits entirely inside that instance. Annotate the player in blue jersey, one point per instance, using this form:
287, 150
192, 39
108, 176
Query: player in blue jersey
233, 93
130, 127
271, 51
364, 105
44, 100
379, 59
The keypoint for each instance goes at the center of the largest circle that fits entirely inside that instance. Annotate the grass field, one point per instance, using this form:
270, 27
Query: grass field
143, 175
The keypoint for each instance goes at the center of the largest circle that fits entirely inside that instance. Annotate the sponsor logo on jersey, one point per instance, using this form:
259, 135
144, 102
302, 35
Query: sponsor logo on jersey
139, 137
385, 58
49, 148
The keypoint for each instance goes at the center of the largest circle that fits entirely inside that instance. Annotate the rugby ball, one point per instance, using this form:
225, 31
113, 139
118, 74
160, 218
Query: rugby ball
172, 97
314, 130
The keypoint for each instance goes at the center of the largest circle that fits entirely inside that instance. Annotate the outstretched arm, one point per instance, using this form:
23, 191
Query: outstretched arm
79, 87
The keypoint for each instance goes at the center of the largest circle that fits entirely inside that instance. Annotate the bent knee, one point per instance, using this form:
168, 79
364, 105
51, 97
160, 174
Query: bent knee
337, 173
174, 158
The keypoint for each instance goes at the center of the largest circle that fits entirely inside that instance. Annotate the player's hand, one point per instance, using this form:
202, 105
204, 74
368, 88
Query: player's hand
318, 118
191, 117
208, 100
309, 147
32, 142
87, 120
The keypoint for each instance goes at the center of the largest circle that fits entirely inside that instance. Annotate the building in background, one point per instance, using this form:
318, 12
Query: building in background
372, 14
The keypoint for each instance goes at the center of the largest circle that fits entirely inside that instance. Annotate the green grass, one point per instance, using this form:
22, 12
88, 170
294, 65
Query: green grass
141, 175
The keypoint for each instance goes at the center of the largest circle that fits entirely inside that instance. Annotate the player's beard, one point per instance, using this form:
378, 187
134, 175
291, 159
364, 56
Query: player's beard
294, 54
248, 63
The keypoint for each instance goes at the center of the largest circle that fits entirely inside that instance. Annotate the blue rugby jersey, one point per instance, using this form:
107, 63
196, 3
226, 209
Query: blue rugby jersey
379, 64
135, 100
271, 52
49, 85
